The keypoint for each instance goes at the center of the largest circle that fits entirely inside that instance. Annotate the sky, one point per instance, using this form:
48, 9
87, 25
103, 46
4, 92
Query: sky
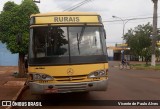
124, 9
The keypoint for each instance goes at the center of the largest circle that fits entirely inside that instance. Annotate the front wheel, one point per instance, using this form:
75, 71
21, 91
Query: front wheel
128, 66
121, 66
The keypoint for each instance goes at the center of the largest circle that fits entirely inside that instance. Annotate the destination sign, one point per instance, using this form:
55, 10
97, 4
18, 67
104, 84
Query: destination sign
66, 19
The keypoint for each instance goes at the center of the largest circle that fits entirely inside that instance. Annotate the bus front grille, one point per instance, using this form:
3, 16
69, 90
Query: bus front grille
43, 81
70, 78
71, 87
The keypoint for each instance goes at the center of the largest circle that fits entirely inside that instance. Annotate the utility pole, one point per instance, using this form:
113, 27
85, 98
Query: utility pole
124, 23
36, 1
154, 35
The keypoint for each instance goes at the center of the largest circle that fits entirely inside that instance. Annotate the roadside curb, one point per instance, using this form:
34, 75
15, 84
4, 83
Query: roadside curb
114, 66
16, 96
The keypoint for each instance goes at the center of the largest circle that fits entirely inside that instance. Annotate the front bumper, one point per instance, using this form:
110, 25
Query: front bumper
37, 88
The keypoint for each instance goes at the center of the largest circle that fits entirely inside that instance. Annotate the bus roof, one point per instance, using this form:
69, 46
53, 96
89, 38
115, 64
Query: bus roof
64, 13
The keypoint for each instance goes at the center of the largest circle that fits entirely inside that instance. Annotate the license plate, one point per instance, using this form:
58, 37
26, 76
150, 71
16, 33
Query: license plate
51, 90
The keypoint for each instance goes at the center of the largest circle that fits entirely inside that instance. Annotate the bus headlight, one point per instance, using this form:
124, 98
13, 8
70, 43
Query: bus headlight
37, 76
97, 74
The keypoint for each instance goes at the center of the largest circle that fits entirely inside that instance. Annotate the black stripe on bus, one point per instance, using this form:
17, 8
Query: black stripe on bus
74, 60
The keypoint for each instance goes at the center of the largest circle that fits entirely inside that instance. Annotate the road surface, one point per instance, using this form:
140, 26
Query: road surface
123, 85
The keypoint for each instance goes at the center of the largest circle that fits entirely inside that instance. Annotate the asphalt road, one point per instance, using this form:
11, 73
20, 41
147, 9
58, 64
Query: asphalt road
123, 85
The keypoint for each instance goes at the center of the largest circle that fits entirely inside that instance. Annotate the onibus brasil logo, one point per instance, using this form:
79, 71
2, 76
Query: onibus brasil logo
14, 103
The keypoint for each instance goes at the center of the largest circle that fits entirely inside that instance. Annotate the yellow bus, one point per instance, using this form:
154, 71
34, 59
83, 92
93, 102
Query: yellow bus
67, 53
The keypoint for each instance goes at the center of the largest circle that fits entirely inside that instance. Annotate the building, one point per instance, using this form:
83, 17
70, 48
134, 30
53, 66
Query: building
119, 51
6, 57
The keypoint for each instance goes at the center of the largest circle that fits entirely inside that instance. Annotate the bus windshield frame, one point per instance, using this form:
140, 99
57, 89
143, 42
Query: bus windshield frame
57, 45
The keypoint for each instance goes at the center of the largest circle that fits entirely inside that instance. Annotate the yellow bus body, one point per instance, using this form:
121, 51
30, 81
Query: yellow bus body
71, 77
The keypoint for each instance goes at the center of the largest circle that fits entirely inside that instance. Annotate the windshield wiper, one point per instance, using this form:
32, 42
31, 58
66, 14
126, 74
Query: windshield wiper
78, 44
81, 34
80, 38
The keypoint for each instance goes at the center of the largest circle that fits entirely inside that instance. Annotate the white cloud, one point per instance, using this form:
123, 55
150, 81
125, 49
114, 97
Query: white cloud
2, 2
48, 6
106, 8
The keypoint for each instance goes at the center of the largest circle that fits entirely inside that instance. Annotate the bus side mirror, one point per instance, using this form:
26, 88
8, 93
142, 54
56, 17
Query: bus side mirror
19, 38
104, 33
26, 63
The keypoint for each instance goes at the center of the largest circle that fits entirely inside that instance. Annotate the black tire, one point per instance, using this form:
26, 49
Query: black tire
121, 66
128, 67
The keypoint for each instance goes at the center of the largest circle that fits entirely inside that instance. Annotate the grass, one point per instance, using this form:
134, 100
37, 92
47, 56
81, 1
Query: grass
146, 67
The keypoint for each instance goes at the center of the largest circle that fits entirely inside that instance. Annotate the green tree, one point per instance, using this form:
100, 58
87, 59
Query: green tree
158, 54
8, 6
146, 52
14, 20
138, 39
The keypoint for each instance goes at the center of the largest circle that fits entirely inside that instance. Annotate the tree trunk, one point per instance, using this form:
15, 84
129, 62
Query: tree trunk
147, 60
142, 58
153, 63
21, 66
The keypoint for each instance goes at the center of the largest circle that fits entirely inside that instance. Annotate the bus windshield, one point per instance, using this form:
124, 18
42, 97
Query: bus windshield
55, 42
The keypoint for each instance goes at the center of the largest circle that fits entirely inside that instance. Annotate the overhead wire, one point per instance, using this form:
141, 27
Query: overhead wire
140, 18
86, 7
81, 5
77, 5
73, 5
